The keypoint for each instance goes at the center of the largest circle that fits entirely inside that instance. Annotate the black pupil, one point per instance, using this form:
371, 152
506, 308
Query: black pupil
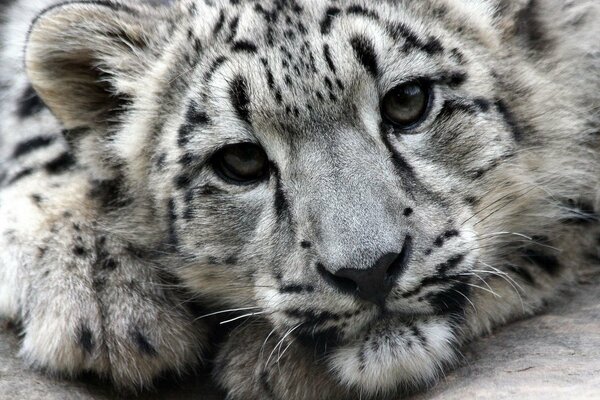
405, 104
243, 163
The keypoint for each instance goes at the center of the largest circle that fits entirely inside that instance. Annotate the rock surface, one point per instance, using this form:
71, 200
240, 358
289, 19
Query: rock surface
555, 355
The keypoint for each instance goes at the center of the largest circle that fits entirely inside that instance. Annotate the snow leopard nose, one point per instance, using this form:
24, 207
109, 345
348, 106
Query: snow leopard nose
370, 284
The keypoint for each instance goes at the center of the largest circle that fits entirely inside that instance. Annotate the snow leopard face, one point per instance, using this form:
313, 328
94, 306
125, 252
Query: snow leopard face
325, 164
329, 166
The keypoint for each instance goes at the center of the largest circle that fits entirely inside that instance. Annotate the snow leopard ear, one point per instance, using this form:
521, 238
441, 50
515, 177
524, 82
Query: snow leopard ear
85, 57
512, 16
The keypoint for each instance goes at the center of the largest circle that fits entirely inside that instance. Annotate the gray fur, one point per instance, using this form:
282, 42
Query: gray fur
498, 189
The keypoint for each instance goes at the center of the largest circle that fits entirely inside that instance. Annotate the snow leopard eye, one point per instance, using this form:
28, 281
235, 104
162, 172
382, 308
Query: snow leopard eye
406, 105
241, 163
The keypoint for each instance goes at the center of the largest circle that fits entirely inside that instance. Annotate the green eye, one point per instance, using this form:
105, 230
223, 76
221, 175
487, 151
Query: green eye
406, 104
241, 164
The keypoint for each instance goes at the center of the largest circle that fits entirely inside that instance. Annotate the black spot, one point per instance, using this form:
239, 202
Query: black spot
407, 212
327, 20
244, 46
233, 27
546, 262
213, 68
86, 339
471, 200
365, 53
288, 289
318, 341
143, 344
108, 264
42, 252
239, 98
402, 167
193, 117
400, 31
529, 28
522, 272
220, 23
266, 385
510, 120
231, 260
451, 233
482, 104
580, 212
452, 263
37, 198
452, 300
451, 107
171, 221
33, 144
328, 59
281, 203
305, 244
457, 55
79, 251
111, 193
418, 335
455, 79
30, 103
358, 10
432, 46
20, 175
60, 164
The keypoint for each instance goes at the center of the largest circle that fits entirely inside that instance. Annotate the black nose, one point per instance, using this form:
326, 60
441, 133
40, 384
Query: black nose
371, 284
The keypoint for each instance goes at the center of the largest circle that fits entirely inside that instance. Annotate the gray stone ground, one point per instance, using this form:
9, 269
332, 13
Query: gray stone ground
555, 355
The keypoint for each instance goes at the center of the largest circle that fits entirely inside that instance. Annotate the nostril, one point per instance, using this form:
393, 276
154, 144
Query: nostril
344, 284
397, 267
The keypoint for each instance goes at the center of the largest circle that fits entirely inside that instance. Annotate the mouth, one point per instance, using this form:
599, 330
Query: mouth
323, 332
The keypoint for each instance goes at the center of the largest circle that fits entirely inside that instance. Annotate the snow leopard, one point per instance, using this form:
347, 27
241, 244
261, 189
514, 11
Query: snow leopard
351, 189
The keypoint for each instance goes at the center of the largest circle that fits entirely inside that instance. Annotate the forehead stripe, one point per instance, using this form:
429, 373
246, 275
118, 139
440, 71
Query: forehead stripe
365, 53
238, 93
327, 21
328, 59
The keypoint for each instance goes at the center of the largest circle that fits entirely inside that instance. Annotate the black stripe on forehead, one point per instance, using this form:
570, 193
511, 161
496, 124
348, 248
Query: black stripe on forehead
240, 100
328, 59
328, 18
365, 53
400, 31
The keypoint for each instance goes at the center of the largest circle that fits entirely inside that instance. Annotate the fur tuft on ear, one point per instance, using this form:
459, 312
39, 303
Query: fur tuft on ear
85, 57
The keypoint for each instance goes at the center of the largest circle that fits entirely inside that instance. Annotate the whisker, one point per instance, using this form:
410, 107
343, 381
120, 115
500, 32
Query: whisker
226, 311
242, 316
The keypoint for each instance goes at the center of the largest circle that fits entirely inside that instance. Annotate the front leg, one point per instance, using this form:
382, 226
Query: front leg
87, 299
254, 363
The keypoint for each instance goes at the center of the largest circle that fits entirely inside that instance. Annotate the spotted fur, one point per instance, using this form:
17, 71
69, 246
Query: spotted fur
112, 211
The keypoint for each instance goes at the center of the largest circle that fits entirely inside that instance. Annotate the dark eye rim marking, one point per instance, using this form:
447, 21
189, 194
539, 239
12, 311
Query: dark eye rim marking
280, 200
